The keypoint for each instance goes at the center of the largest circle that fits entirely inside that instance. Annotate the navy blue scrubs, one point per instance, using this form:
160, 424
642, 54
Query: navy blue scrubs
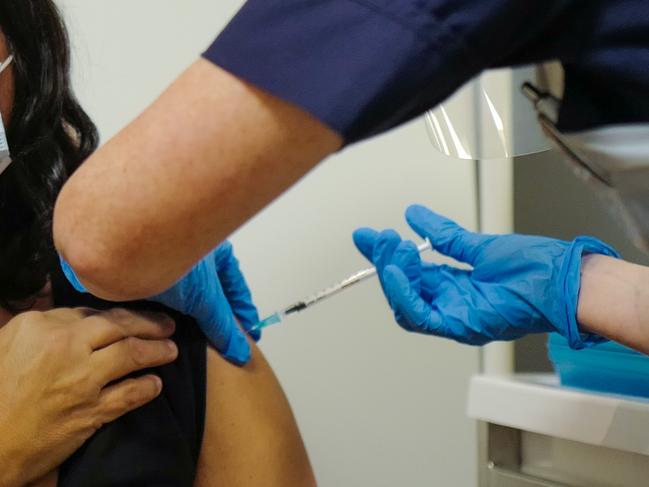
365, 66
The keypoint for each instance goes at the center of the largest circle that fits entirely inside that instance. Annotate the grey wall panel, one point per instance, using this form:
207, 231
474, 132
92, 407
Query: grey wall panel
550, 200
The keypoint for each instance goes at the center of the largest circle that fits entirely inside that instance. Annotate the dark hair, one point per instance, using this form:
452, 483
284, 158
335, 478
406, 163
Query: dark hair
49, 136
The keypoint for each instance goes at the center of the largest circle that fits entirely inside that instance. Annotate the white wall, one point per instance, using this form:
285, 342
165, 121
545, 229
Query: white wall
377, 406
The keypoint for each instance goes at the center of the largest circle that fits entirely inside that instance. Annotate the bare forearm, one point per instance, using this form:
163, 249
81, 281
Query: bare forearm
203, 159
614, 300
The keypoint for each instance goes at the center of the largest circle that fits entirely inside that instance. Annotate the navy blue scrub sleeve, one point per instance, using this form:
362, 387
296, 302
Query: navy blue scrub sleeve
365, 66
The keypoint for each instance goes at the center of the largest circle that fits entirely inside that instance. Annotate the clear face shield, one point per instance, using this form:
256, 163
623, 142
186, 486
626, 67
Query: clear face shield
485, 121
5, 155
488, 118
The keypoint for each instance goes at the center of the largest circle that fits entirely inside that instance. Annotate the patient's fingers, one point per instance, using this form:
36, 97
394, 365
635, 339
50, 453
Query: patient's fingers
123, 397
130, 355
105, 328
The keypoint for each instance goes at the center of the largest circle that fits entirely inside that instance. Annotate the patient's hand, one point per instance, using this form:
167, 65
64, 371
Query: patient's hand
57, 381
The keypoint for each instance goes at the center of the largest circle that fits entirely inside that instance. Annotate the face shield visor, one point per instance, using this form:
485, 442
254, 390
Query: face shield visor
492, 117
5, 156
488, 118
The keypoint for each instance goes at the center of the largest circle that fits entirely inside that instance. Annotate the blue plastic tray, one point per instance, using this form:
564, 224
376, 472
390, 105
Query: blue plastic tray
608, 367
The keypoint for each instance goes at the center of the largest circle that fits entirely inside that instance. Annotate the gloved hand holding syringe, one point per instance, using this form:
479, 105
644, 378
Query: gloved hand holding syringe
325, 293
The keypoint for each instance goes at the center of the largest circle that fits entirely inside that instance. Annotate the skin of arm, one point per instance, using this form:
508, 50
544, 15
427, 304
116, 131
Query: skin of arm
614, 300
205, 157
251, 437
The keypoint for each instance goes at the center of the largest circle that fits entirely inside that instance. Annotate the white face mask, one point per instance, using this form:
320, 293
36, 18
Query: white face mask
5, 156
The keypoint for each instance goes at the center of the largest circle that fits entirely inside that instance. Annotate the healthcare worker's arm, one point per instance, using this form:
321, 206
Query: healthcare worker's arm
517, 284
294, 79
205, 157
614, 300
215, 293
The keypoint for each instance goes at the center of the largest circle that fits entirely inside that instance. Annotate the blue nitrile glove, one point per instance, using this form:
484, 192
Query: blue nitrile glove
518, 285
214, 292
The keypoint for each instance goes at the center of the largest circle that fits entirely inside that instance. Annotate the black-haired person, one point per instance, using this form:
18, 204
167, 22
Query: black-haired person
45, 412
59, 366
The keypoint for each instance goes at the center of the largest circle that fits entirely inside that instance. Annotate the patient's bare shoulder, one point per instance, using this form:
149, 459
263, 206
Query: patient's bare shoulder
251, 437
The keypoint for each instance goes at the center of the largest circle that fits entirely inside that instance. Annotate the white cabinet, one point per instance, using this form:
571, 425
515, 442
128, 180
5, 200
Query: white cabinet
536, 433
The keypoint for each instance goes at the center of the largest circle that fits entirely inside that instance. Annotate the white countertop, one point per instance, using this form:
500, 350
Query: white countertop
537, 403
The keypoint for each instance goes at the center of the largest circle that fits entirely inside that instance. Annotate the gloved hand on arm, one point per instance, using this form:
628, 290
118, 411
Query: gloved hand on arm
517, 285
216, 295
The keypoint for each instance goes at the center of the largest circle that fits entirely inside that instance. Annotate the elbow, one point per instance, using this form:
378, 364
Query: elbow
101, 265
105, 277
99, 274
102, 275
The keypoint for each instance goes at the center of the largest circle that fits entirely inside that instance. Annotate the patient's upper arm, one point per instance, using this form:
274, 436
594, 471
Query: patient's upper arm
251, 437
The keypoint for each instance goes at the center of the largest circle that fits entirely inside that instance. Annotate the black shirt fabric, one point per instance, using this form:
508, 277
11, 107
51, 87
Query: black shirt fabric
158, 444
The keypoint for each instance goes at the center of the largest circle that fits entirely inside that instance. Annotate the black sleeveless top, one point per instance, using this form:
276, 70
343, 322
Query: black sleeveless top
158, 444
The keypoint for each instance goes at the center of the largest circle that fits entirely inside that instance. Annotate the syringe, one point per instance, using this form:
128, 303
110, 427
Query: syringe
325, 293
